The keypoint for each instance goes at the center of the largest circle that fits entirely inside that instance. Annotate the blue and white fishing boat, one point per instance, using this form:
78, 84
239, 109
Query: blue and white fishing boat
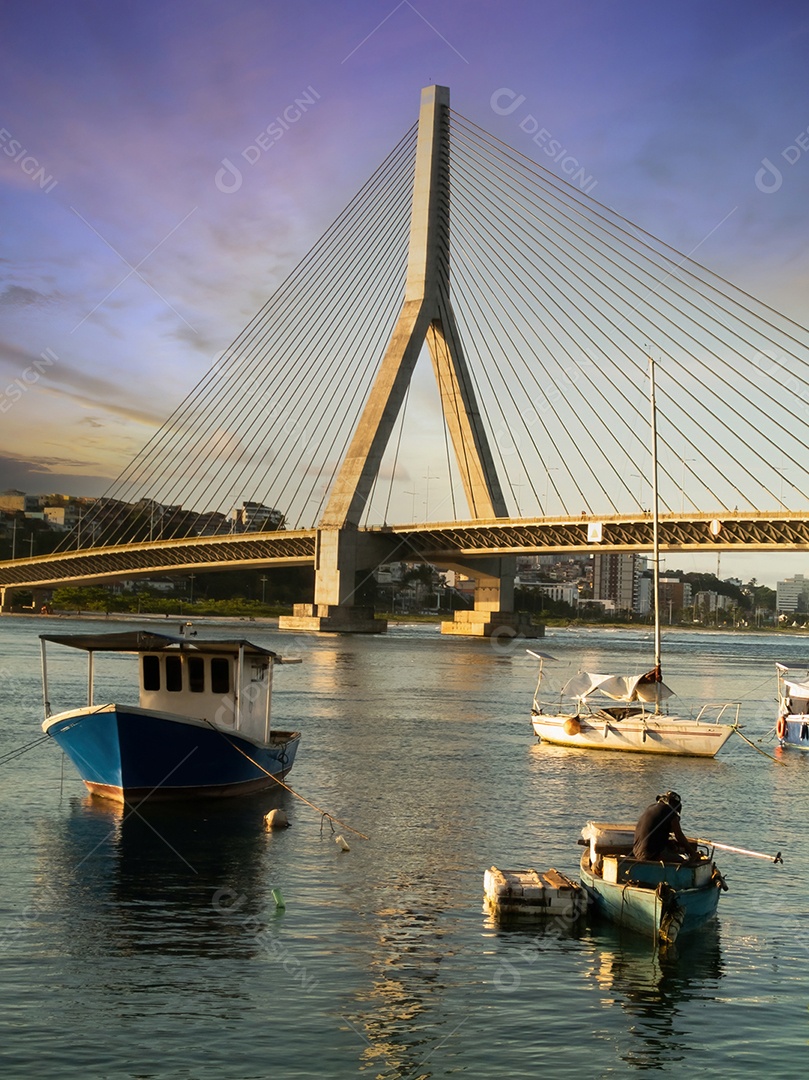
658, 899
201, 726
792, 725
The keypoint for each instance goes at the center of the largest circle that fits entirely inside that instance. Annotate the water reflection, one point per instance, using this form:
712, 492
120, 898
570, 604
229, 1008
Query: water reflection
653, 987
398, 1016
186, 879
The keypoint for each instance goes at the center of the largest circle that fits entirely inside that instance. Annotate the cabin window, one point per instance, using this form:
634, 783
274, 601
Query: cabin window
174, 674
258, 671
196, 674
220, 675
151, 673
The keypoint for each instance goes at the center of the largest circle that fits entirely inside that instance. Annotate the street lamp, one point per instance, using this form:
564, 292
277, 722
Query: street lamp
682, 486
263, 580
413, 511
781, 493
640, 488
428, 477
547, 486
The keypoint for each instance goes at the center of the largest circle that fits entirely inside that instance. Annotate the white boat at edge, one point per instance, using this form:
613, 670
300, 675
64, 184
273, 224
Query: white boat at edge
592, 720
792, 725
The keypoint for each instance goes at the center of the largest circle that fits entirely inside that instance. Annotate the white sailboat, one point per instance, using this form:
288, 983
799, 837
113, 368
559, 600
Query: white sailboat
618, 712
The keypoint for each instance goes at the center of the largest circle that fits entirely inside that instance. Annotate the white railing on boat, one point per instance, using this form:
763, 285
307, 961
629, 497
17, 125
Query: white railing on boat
720, 708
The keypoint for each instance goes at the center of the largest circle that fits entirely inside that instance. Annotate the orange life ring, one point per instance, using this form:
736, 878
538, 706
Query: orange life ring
781, 727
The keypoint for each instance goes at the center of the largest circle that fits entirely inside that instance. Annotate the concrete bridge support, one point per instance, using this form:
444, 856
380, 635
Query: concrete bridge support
426, 316
493, 614
344, 561
40, 598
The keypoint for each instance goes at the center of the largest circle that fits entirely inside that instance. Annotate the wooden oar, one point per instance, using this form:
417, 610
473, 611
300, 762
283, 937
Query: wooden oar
743, 851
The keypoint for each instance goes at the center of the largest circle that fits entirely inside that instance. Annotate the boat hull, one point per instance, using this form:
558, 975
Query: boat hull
796, 732
665, 735
667, 904
130, 754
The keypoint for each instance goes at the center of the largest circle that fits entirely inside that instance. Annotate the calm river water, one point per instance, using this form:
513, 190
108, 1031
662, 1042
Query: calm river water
148, 944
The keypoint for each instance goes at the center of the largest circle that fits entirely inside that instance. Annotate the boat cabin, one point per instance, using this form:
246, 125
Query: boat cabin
795, 699
226, 683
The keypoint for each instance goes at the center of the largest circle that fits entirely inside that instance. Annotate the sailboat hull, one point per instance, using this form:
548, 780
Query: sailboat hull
644, 734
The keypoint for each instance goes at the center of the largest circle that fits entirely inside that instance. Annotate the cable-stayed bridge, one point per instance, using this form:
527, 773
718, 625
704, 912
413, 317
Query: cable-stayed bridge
538, 309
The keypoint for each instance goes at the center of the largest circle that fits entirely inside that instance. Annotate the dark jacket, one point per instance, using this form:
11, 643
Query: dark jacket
653, 830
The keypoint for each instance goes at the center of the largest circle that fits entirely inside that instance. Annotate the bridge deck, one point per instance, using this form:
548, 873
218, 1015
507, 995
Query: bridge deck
431, 542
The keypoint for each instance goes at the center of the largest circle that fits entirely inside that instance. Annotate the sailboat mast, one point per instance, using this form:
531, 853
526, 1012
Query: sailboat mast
655, 522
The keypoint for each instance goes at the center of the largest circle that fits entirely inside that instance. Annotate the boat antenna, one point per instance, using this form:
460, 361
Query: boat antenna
655, 530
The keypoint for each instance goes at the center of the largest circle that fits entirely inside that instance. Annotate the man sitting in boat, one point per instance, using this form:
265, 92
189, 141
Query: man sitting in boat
658, 834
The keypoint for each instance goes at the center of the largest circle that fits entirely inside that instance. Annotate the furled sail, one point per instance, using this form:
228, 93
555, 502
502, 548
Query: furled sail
646, 687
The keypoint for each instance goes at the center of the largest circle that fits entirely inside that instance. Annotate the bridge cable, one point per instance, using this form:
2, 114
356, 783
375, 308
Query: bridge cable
703, 429
209, 380
729, 385
582, 314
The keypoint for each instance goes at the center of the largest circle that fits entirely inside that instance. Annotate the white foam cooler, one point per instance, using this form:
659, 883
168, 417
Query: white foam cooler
529, 892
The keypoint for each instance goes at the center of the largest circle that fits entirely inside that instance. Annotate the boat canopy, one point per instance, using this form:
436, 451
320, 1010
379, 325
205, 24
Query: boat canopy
618, 687
796, 690
139, 641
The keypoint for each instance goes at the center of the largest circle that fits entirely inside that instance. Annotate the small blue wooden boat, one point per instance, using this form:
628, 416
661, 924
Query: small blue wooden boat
200, 728
792, 725
658, 899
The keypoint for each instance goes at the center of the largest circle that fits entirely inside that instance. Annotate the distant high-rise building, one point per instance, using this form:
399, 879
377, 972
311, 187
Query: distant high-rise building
615, 577
792, 594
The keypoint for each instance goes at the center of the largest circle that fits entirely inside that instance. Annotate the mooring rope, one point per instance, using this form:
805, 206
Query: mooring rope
292, 791
758, 749
11, 755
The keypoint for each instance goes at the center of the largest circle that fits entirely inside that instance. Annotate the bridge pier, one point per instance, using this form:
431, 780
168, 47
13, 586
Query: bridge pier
493, 614
344, 562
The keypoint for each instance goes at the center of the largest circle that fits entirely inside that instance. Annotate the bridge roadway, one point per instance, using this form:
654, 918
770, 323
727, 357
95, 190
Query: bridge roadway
447, 543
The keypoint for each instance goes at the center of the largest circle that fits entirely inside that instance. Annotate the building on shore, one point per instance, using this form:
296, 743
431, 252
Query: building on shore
616, 577
792, 594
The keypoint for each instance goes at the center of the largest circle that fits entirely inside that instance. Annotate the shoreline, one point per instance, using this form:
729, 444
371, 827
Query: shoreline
271, 621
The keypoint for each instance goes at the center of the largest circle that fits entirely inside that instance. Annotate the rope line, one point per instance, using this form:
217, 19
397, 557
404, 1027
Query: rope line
285, 786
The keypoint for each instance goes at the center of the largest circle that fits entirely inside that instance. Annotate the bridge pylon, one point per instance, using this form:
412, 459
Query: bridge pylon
346, 556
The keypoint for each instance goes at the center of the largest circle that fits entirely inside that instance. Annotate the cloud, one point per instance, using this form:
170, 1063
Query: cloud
58, 378
147, 417
21, 296
48, 474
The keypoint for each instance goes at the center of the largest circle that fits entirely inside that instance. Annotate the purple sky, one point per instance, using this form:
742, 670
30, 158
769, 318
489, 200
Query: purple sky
130, 269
